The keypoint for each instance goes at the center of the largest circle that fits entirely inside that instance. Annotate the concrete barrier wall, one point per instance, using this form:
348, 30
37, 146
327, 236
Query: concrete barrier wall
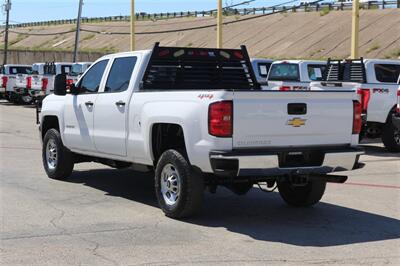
30, 57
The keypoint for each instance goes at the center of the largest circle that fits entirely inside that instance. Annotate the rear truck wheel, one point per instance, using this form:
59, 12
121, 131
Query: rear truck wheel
301, 196
391, 137
179, 187
57, 160
26, 99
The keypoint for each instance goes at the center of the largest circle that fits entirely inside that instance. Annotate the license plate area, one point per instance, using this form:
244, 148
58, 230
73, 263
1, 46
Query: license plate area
289, 159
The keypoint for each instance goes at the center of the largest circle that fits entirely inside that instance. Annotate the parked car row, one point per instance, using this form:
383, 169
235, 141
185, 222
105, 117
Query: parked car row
27, 83
376, 81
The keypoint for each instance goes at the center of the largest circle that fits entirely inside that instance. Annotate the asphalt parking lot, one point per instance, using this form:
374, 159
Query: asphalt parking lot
102, 216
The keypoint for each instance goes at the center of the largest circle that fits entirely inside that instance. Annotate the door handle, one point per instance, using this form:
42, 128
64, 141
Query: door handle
89, 104
120, 103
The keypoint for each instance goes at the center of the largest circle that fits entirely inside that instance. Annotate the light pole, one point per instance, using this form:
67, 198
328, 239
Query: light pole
355, 29
219, 24
78, 31
133, 19
7, 7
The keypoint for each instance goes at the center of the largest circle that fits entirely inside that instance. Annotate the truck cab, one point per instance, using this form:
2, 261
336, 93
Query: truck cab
295, 75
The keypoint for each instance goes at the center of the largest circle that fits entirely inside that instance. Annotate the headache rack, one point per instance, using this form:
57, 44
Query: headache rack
348, 70
179, 68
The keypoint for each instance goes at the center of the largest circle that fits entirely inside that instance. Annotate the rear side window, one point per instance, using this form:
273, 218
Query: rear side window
284, 72
92, 79
263, 69
20, 70
120, 74
315, 72
388, 73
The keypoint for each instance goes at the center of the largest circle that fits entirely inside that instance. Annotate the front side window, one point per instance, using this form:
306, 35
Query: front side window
91, 81
315, 72
388, 73
120, 74
284, 71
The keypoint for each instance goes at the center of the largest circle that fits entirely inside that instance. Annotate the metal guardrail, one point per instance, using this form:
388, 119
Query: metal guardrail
230, 11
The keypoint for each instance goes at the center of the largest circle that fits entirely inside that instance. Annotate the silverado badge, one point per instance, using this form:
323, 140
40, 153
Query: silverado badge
297, 122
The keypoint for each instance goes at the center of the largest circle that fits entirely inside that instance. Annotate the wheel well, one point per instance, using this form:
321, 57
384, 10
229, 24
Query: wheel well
166, 136
49, 122
390, 113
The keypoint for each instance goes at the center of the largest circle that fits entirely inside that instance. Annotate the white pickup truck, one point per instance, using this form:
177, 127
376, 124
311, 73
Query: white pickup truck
376, 82
41, 83
198, 117
294, 75
8, 77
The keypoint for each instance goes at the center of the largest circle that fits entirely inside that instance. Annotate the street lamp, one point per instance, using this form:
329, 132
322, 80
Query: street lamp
133, 19
355, 29
219, 24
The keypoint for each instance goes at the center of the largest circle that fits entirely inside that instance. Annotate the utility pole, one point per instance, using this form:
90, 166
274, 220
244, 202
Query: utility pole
219, 24
7, 8
78, 31
133, 19
355, 29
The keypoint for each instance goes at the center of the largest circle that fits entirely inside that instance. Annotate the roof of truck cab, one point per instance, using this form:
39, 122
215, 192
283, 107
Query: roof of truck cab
261, 60
383, 61
300, 61
126, 53
17, 65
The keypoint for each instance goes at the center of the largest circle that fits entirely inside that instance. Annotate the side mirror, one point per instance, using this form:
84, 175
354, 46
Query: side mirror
60, 85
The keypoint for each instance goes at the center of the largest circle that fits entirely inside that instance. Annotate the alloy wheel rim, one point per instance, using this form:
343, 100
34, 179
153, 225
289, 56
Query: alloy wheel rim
170, 184
51, 154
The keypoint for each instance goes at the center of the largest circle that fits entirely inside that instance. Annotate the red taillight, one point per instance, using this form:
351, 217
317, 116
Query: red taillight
365, 95
29, 82
220, 119
70, 82
398, 102
45, 82
357, 118
285, 88
4, 81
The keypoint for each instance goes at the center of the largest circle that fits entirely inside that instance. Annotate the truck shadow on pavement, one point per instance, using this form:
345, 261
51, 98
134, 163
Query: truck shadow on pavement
378, 151
261, 216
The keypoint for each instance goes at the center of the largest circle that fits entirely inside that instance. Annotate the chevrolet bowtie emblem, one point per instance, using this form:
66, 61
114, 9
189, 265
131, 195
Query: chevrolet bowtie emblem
297, 122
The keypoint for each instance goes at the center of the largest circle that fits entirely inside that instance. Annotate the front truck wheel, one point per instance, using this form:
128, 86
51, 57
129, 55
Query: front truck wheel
391, 137
179, 188
304, 195
57, 160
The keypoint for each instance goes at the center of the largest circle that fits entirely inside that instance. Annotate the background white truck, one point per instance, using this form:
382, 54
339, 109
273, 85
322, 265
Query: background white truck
8, 78
42, 81
295, 75
376, 82
198, 117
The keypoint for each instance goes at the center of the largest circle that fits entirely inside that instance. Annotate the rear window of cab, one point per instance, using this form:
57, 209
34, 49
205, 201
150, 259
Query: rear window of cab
388, 73
284, 71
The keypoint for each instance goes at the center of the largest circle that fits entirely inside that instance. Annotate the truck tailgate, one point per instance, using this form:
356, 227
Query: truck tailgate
292, 119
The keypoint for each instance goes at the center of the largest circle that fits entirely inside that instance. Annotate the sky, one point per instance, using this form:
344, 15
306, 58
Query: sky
41, 10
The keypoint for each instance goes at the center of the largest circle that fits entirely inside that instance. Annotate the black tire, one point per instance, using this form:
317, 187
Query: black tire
302, 196
65, 161
391, 137
191, 186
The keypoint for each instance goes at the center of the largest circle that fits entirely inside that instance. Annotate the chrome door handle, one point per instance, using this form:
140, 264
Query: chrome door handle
89, 104
120, 103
